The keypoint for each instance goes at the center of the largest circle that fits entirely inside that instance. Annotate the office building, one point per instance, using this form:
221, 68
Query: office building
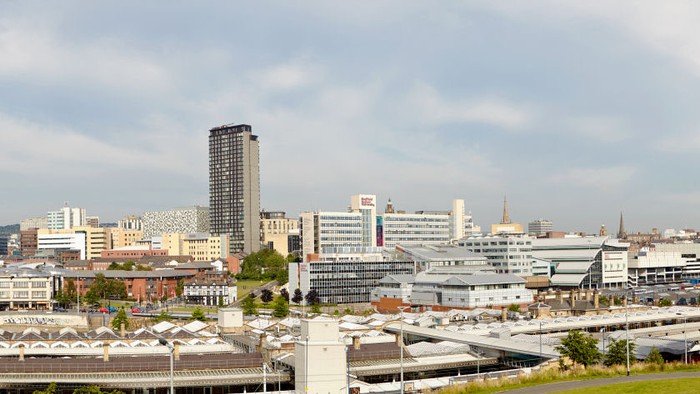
66, 218
52, 244
35, 222
342, 282
539, 227
234, 186
131, 222
201, 246
4, 242
210, 291
507, 253
583, 262
362, 227
194, 219
28, 242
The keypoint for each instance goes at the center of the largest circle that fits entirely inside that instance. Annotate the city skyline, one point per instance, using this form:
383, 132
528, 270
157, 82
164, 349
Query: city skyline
576, 112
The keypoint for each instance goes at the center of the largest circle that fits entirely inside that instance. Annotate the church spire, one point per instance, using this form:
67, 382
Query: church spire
621, 233
506, 219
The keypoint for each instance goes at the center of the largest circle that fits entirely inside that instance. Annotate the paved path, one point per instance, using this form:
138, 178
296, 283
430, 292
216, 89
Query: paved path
577, 384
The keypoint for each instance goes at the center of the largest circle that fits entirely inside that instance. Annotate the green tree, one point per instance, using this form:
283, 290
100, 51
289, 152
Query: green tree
249, 306
94, 390
579, 348
316, 308
604, 300
198, 314
265, 264
665, 302
514, 308
617, 352
180, 288
654, 356
280, 307
163, 316
106, 288
51, 389
221, 302
119, 319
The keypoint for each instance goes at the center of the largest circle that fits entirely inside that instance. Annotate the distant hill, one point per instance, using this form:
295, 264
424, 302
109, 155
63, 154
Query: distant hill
9, 229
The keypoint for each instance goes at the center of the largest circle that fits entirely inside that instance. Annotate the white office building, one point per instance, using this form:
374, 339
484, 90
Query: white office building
508, 254
47, 244
361, 226
583, 262
66, 218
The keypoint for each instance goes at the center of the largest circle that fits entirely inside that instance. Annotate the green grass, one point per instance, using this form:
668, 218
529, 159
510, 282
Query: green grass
553, 375
670, 386
246, 285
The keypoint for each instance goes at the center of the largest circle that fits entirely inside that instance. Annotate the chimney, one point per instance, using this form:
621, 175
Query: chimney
560, 296
105, 348
176, 351
588, 294
21, 352
596, 299
624, 300
572, 297
504, 314
122, 330
356, 343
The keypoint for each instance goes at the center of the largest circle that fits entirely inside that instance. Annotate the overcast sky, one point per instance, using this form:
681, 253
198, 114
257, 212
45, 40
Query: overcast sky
574, 110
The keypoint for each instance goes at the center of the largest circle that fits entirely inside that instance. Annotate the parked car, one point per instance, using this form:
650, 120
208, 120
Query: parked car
103, 310
136, 309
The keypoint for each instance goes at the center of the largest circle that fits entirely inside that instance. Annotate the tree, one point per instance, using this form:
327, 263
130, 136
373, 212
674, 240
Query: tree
579, 348
106, 288
94, 390
198, 314
617, 352
266, 264
280, 307
120, 319
266, 295
180, 287
298, 296
665, 302
51, 389
604, 300
284, 293
654, 356
163, 316
316, 308
249, 307
514, 308
312, 297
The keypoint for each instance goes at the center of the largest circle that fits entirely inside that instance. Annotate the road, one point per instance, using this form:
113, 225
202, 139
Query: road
269, 285
577, 384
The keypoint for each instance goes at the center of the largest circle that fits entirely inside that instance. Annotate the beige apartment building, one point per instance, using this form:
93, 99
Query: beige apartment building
120, 237
275, 230
201, 246
96, 239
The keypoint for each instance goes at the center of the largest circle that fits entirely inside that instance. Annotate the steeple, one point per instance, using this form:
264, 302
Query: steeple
389, 207
621, 233
506, 219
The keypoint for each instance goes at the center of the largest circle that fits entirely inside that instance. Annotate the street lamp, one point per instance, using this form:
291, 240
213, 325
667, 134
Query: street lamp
685, 336
402, 308
172, 350
627, 333
540, 340
602, 330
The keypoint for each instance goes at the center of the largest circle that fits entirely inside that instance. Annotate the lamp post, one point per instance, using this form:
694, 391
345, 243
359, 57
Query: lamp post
401, 308
685, 337
627, 333
602, 330
172, 350
540, 340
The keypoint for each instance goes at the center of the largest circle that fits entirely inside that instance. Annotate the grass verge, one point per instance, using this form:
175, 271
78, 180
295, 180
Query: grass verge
553, 375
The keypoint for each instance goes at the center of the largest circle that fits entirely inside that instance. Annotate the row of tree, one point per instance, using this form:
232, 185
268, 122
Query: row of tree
583, 349
281, 303
266, 264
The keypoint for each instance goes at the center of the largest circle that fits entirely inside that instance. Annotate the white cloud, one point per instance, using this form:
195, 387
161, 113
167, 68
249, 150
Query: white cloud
602, 178
491, 111
287, 76
599, 128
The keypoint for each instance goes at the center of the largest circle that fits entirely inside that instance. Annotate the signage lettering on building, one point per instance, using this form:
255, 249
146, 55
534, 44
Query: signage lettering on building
367, 201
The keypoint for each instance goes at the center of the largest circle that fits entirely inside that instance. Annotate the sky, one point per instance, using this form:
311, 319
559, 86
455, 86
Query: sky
576, 111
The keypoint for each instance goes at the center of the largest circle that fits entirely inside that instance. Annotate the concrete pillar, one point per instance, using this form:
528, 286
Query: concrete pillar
504, 314
105, 349
596, 300
624, 300
560, 296
356, 343
589, 293
572, 296
21, 352
176, 351
122, 330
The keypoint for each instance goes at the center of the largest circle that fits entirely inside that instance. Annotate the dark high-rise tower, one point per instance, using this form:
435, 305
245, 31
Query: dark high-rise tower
234, 186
